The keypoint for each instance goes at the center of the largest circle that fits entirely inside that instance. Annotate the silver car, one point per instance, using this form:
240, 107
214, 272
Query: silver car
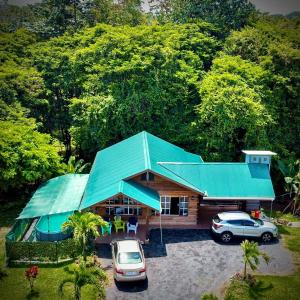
128, 260
226, 225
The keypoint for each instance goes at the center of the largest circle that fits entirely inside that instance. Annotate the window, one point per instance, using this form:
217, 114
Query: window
174, 205
127, 201
248, 223
183, 206
165, 205
127, 207
115, 249
147, 176
109, 210
129, 258
235, 222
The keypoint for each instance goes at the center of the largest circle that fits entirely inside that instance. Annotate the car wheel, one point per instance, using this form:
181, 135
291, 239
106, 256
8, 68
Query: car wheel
226, 237
267, 237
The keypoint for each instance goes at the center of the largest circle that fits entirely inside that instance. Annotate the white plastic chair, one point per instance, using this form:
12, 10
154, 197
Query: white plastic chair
131, 227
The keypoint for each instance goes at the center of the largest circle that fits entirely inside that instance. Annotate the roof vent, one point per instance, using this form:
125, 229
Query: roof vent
258, 156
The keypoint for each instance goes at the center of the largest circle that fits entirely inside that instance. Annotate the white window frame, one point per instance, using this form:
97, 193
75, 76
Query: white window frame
126, 204
165, 200
185, 210
165, 203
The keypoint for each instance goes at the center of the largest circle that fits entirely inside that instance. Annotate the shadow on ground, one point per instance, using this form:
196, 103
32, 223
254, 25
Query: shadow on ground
132, 287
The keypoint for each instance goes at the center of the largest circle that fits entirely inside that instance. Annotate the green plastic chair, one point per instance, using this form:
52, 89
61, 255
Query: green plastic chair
119, 224
106, 229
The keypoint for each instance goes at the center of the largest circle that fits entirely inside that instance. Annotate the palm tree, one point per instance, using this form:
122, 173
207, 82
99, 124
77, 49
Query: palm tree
74, 166
84, 225
79, 276
291, 175
251, 254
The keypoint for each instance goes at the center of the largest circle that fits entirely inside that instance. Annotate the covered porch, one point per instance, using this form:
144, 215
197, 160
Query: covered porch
142, 234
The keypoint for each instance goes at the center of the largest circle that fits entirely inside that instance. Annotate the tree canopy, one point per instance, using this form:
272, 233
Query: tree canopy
78, 76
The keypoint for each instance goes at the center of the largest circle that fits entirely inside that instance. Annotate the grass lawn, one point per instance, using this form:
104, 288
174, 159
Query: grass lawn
14, 286
272, 287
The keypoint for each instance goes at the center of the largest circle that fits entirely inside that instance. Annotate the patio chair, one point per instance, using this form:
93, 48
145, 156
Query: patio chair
132, 225
119, 224
106, 229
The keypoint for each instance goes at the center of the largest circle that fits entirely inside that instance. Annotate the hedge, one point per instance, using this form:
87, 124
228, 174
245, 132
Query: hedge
41, 251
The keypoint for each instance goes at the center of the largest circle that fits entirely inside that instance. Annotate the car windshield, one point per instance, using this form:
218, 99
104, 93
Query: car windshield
258, 221
129, 258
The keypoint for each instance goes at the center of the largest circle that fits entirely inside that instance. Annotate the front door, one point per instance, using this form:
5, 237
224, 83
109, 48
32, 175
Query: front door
174, 206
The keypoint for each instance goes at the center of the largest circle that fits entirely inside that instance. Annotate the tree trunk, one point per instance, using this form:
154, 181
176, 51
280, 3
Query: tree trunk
245, 270
77, 293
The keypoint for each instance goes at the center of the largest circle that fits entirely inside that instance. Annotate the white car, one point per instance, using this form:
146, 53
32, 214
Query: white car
226, 225
128, 260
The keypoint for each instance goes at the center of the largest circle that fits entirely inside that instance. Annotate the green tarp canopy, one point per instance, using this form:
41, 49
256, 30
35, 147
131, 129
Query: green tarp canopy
58, 195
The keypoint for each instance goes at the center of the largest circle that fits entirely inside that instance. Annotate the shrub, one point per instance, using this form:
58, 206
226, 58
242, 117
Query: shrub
41, 251
209, 296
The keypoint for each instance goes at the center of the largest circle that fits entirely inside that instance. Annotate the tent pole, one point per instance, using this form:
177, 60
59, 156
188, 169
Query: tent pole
48, 227
271, 209
161, 237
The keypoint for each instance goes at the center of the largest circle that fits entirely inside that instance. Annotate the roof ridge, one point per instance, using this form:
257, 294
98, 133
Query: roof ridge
146, 151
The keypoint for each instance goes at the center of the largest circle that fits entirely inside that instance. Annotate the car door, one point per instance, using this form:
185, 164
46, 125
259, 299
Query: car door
250, 229
114, 251
236, 227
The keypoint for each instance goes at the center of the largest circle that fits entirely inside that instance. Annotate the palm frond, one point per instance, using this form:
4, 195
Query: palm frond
61, 285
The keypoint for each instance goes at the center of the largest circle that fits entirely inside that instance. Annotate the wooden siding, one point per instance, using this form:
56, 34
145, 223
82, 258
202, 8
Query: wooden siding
165, 187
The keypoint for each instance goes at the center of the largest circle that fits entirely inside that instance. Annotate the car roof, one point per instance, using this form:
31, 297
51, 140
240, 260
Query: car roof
128, 246
233, 215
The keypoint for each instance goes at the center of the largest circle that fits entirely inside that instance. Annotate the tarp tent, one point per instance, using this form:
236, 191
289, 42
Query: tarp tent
53, 202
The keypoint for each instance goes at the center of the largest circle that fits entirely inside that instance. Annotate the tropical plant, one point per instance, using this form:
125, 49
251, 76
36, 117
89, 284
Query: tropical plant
84, 225
291, 173
78, 166
209, 296
251, 254
31, 275
79, 275
27, 156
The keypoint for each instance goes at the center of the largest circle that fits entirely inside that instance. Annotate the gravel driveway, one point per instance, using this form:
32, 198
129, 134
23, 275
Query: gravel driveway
188, 264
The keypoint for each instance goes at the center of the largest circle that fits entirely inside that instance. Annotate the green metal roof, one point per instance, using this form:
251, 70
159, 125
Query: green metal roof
129, 157
227, 180
58, 195
140, 193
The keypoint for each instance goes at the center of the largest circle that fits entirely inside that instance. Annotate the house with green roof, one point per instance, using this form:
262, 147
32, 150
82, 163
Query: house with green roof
154, 180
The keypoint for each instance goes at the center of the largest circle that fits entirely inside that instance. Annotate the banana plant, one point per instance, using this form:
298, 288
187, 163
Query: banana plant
291, 175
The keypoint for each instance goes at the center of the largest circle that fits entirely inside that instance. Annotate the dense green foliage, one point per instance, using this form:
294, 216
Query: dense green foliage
225, 14
27, 156
84, 226
80, 275
199, 74
41, 251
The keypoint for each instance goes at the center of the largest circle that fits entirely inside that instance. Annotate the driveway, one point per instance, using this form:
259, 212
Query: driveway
188, 264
